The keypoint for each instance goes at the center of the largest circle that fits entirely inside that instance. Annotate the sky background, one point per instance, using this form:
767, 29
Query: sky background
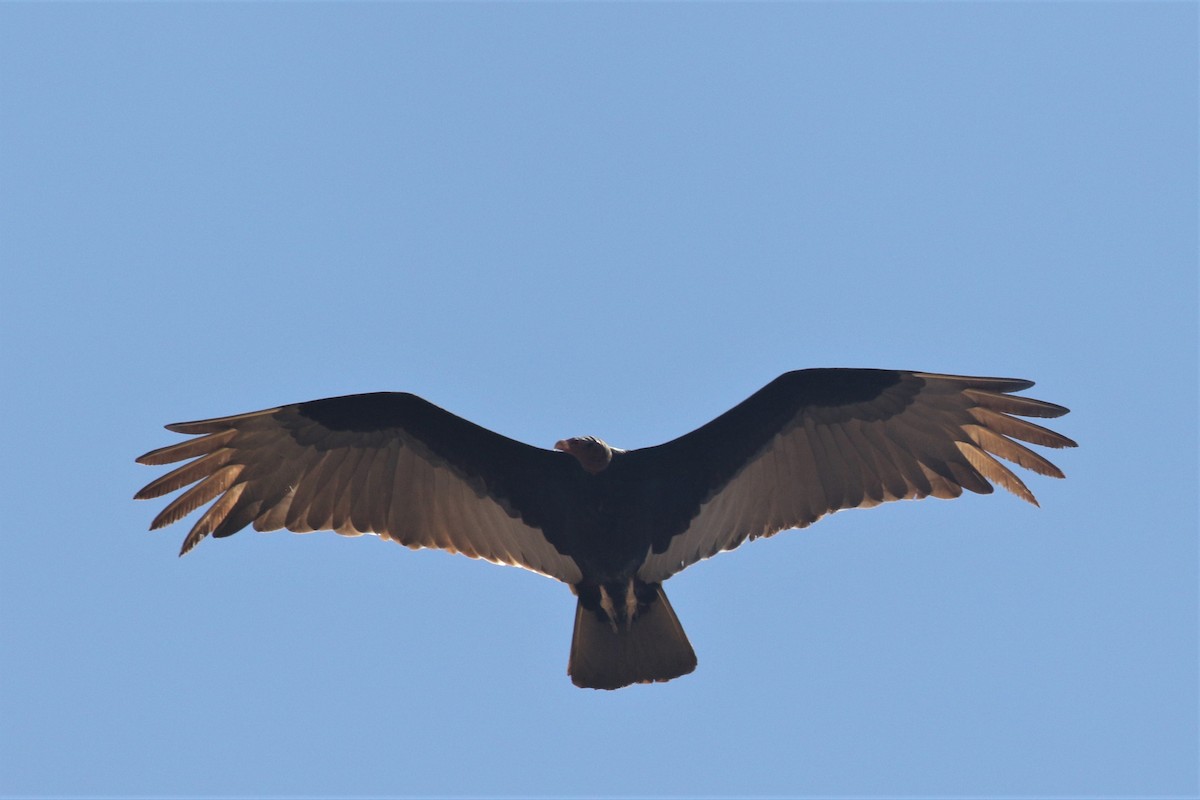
614, 219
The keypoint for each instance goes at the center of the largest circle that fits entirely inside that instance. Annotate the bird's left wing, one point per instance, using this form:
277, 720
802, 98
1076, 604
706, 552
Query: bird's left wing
815, 441
385, 463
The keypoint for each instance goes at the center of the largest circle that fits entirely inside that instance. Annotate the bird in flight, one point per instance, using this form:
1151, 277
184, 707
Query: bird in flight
612, 524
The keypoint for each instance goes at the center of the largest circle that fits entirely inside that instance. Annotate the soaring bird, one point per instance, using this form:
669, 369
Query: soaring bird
612, 524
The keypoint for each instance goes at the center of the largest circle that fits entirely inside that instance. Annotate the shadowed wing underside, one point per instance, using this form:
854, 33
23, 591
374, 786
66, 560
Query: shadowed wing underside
816, 441
386, 463
809, 443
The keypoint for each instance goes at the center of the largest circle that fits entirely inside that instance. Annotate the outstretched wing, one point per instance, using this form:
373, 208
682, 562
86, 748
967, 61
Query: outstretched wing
815, 441
385, 463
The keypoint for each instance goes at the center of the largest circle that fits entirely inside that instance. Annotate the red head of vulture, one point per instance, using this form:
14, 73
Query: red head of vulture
612, 524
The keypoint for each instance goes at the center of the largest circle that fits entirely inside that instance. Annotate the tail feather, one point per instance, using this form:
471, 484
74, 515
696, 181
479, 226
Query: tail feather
645, 646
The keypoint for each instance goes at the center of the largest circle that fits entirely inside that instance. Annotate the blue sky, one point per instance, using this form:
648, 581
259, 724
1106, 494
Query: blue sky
614, 219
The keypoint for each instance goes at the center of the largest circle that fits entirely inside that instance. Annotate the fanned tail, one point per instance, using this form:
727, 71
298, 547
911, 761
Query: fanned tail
625, 636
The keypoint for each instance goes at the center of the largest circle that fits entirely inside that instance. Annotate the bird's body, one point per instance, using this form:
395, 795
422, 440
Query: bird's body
613, 524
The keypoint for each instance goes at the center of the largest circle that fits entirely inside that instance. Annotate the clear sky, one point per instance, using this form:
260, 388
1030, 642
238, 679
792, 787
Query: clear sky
614, 219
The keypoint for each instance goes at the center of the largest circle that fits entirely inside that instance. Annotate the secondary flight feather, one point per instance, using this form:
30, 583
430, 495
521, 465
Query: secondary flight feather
612, 524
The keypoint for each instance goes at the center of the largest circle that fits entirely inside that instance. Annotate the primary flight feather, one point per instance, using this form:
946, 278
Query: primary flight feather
613, 524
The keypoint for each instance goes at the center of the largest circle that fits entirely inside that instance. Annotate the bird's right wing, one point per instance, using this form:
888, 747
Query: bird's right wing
815, 441
385, 463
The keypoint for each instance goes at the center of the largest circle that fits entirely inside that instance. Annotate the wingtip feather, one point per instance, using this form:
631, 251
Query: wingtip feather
217, 424
974, 382
993, 470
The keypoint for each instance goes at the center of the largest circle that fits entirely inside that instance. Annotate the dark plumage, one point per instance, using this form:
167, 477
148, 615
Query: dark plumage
613, 524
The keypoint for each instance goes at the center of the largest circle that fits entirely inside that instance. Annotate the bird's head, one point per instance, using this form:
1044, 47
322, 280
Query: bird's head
593, 454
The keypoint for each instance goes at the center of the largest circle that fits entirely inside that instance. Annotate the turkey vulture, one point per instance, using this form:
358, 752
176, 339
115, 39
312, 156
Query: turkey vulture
612, 524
